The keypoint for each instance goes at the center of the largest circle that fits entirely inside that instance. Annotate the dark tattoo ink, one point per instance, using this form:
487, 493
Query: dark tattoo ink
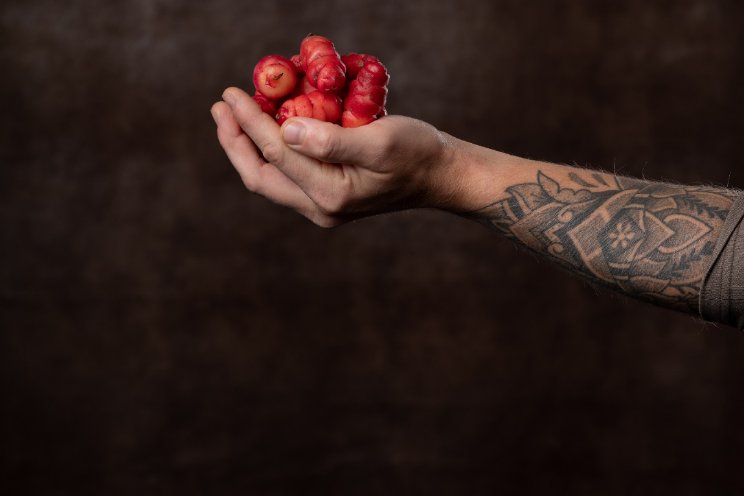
650, 240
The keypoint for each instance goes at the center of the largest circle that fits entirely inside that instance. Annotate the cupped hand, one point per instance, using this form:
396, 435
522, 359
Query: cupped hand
332, 174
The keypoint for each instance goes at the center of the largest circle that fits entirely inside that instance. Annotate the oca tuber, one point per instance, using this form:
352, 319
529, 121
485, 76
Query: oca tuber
320, 105
321, 63
319, 83
365, 100
266, 104
275, 76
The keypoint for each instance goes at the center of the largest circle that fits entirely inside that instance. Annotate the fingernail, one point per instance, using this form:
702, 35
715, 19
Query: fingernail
215, 115
228, 97
294, 133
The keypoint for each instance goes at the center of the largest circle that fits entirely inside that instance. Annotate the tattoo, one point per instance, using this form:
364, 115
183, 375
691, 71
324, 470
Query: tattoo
650, 240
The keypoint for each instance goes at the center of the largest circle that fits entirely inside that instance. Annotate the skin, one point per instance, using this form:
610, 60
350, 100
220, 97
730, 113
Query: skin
649, 240
321, 63
274, 76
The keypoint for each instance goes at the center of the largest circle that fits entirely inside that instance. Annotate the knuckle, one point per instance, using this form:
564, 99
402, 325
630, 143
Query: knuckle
329, 204
325, 143
273, 152
325, 221
249, 184
386, 145
319, 218
325, 206
333, 202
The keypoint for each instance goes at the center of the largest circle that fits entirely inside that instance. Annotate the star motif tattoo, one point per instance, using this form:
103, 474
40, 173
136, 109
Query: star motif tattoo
650, 240
622, 236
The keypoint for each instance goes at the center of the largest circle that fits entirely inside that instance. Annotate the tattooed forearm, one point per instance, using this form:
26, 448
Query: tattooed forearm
649, 240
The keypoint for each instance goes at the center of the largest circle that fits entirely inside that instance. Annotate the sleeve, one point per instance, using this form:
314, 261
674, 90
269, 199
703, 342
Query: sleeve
722, 290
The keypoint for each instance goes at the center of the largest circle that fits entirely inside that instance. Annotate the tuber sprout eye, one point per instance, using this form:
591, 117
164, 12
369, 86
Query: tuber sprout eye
275, 77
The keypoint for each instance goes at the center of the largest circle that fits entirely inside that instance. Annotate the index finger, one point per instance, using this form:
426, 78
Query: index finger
265, 132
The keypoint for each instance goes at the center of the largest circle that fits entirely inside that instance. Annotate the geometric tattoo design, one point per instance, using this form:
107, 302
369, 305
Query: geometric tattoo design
650, 240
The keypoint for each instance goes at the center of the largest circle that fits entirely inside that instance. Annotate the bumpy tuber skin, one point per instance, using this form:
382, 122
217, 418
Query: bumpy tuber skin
355, 61
321, 62
313, 83
275, 77
319, 105
267, 105
297, 61
365, 100
303, 88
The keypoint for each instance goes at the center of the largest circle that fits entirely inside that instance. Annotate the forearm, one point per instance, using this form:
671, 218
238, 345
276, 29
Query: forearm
650, 240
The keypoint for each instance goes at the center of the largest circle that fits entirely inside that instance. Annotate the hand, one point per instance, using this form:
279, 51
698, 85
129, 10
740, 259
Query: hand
332, 174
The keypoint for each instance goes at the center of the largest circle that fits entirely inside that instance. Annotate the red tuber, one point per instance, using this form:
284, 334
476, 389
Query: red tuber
355, 61
266, 104
297, 62
319, 105
275, 76
365, 100
303, 88
321, 62
319, 83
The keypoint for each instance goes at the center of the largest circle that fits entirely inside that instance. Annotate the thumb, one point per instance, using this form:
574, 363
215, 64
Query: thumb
326, 141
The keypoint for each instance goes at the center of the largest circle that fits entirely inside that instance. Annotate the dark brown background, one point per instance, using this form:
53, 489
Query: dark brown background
164, 331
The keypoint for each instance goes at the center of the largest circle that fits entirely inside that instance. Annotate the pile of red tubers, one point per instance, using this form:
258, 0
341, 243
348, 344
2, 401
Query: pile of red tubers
319, 83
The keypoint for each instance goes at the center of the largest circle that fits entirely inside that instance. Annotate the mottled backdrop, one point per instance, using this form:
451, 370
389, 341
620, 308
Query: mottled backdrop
163, 331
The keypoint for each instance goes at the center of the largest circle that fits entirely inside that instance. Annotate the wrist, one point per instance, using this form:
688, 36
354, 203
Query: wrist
470, 176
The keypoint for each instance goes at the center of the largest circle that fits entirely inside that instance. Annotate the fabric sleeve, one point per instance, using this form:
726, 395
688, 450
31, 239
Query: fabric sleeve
722, 290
